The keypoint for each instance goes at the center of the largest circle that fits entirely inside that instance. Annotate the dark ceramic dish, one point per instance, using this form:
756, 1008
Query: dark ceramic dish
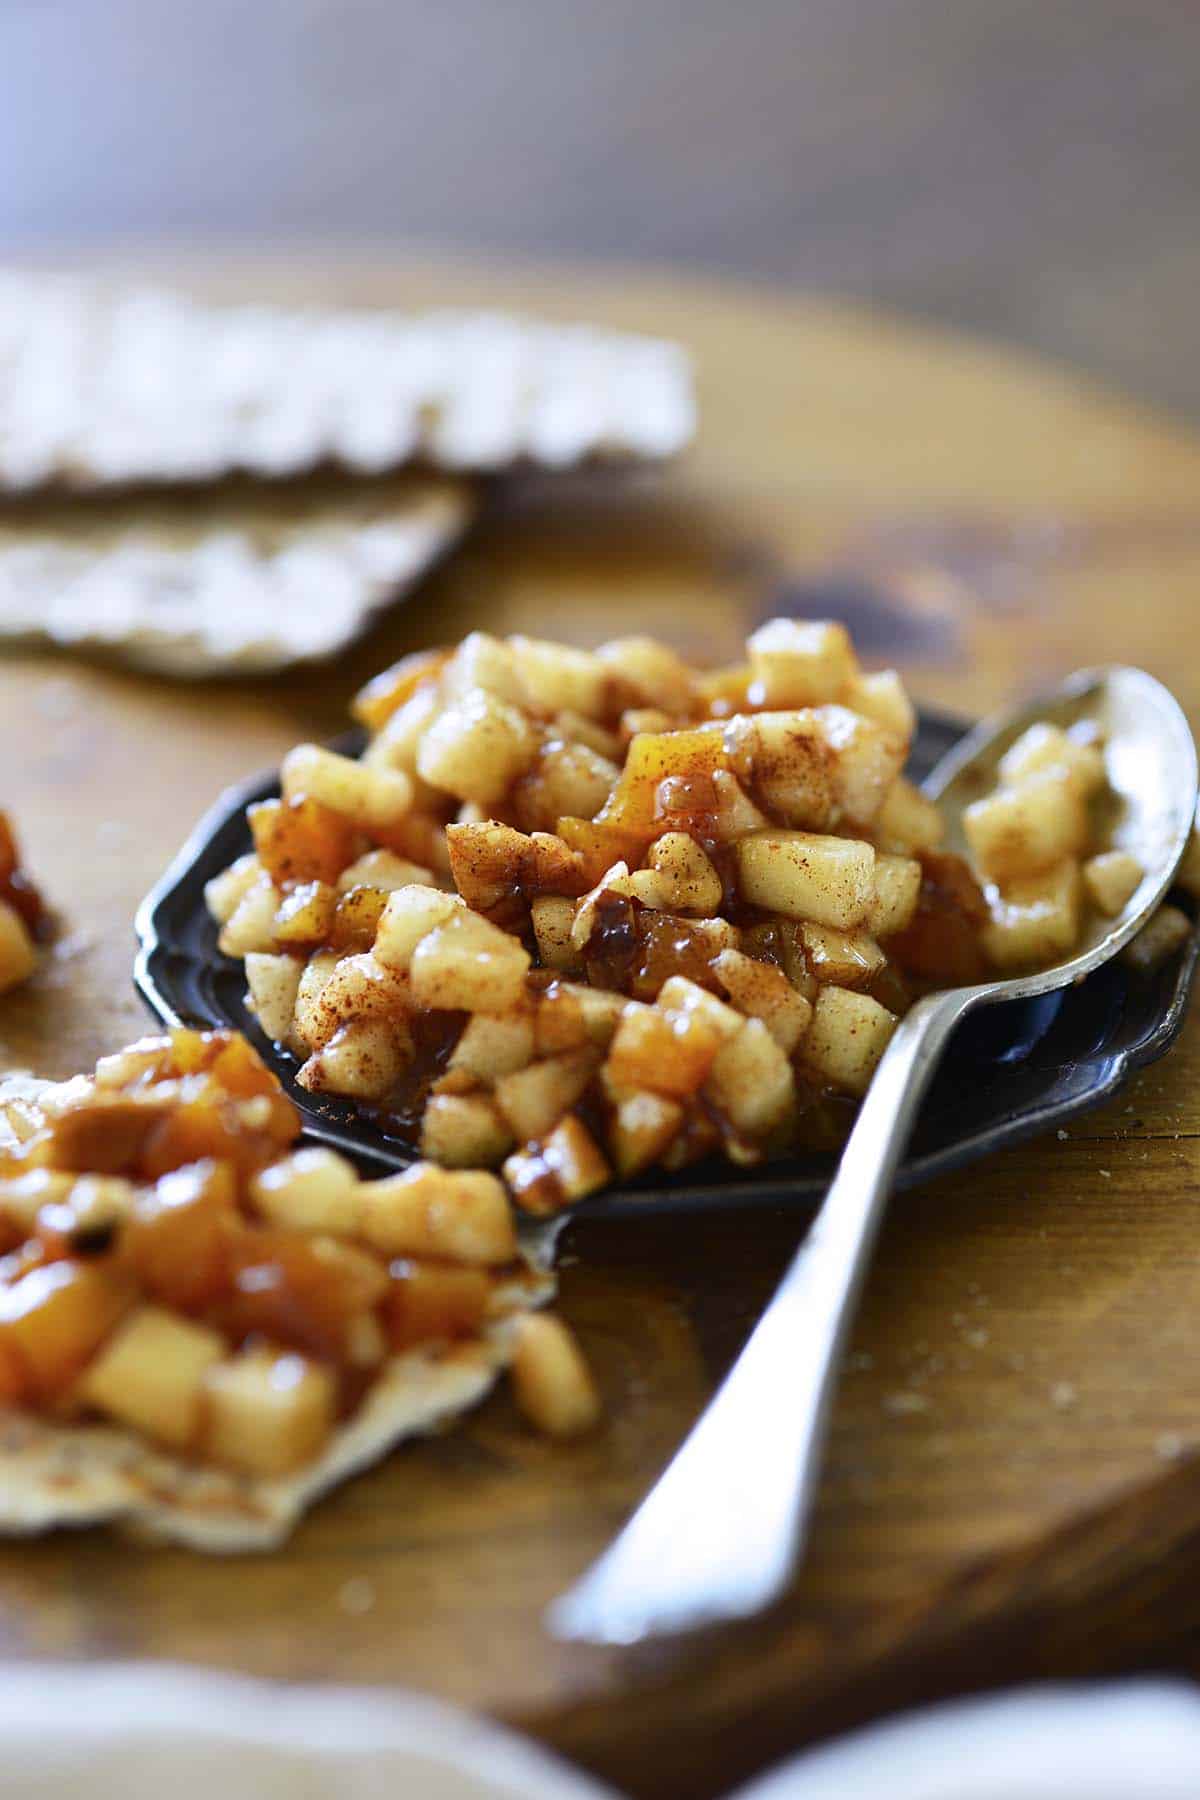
1014, 1071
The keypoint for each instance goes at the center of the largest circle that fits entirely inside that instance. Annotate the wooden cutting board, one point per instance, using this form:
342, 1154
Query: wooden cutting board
1012, 1484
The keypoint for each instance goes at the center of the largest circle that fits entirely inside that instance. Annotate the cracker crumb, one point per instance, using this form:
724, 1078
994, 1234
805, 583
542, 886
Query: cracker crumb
356, 1596
1169, 1446
905, 1402
1063, 1395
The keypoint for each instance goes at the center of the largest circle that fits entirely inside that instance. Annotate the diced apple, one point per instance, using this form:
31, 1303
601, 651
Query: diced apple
150, 1376
829, 880
907, 822
483, 662
897, 890
551, 1380
460, 1214
251, 925
564, 1167
849, 959
533, 1099
464, 1131
1018, 832
274, 983
1112, 879
470, 964
882, 697
18, 956
657, 673
313, 1190
225, 891
305, 916
56, 1317
310, 1025
553, 920
643, 1124
764, 992
556, 676
267, 1414
368, 797
1044, 747
431, 1302
363, 1059
1036, 920
476, 748
848, 1035
385, 870
796, 662
751, 1080
411, 914
494, 1045
1165, 932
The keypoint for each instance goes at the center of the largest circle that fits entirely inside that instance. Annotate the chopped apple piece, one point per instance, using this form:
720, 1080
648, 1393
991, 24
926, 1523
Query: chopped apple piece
1036, 920
643, 1124
477, 747
467, 963
751, 1080
897, 890
312, 1191
849, 959
251, 925
56, 1317
363, 1059
564, 1167
907, 821
18, 957
764, 992
492, 1046
368, 797
1112, 879
274, 984
551, 1380
882, 697
1020, 831
848, 1035
223, 894
305, 916
483, 662
430, 1302
660, 676
384, 870
534, 1098
1044, 747
411, 914
666, 1052
464, 1131
462, 1215
266, 1413
150, 1376
829, 880
1164, 932
311, 1025
797, 662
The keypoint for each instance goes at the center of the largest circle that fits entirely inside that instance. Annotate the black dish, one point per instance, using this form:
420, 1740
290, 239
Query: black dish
1013, 1071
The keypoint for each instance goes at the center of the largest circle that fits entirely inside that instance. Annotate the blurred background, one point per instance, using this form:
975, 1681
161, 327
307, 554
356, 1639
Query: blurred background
1024, 168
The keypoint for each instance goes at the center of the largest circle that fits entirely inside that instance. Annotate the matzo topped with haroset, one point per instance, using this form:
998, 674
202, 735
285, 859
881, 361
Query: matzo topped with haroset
101, 389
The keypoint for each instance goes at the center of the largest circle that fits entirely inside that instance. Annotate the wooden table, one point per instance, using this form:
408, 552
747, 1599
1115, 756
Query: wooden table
1010, 1486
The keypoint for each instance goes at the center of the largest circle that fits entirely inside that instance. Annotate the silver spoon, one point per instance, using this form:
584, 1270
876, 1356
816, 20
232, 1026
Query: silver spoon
719, 1535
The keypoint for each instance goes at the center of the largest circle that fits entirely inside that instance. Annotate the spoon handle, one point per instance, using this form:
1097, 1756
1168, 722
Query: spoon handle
718, 1536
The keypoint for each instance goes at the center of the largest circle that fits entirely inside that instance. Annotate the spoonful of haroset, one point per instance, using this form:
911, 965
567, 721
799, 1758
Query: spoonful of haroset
720, 1534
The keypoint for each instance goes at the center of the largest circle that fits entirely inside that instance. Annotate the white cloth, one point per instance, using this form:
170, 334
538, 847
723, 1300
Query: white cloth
139, 1731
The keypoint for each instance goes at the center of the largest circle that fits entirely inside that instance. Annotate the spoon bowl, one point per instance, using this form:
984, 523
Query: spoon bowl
1151, 769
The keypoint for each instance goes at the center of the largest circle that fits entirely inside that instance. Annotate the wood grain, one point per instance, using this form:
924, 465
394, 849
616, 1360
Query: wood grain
1010, 1486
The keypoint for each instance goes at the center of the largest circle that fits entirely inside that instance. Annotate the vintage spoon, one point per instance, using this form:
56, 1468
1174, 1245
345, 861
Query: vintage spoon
719, 1535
